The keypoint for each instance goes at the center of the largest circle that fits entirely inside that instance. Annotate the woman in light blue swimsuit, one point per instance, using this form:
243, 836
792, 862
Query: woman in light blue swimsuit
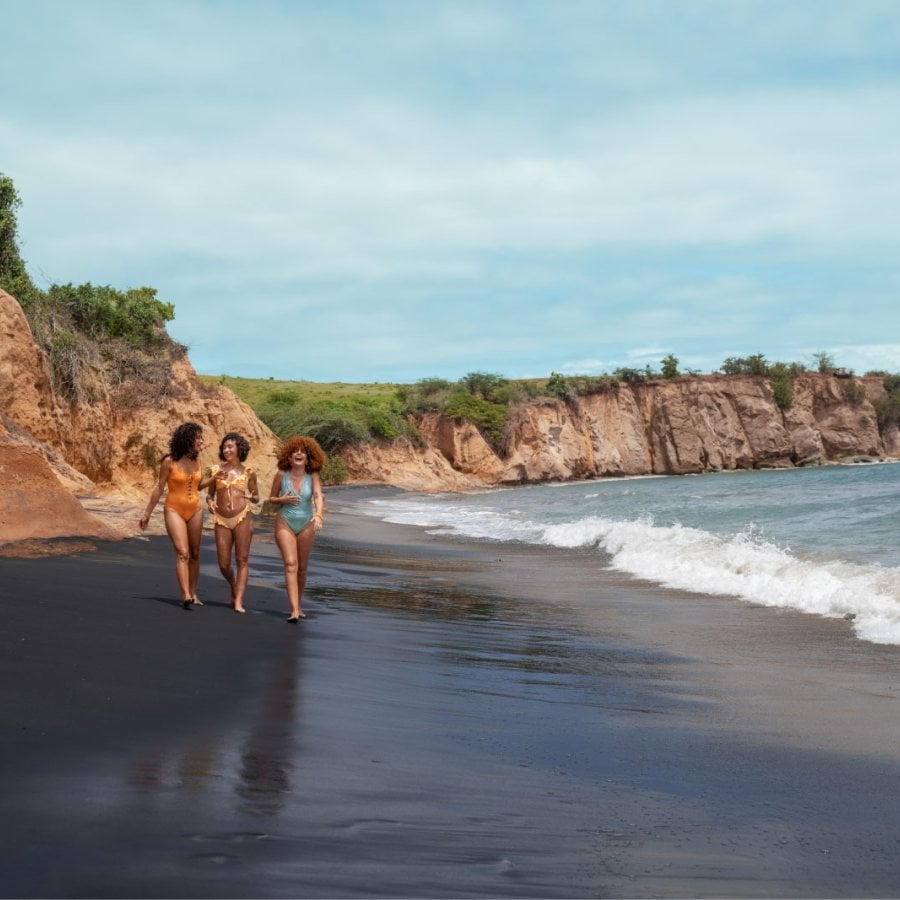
297, 491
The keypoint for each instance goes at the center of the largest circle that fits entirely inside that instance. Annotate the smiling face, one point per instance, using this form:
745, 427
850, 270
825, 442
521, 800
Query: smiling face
298, 458
230, 450
197, 446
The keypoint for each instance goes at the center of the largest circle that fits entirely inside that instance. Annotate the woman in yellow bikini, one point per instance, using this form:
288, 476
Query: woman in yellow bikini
231, 492
297, 491
180, 473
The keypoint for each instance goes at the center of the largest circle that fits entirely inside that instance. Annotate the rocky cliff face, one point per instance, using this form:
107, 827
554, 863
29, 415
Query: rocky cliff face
105, 452
688, 425
63, 461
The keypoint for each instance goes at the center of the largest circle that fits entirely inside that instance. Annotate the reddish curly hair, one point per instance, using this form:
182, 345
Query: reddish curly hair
315, 455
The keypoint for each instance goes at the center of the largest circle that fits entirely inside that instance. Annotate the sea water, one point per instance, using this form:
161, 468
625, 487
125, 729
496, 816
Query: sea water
822, 540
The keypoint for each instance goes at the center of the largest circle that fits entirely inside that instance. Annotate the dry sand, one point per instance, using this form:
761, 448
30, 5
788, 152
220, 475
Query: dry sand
452, 720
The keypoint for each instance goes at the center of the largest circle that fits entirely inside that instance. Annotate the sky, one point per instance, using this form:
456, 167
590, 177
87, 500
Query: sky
390, 191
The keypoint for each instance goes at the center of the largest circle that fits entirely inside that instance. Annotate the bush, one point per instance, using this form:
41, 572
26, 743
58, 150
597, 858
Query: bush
782, 384
558, 386
334, 471
630, 376
745, 365
888, 408
482, 384
854, 391
490, 418
426, 394
104, 312
669, 366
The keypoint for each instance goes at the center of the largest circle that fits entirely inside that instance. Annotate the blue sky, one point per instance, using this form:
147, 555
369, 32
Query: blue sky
388, 191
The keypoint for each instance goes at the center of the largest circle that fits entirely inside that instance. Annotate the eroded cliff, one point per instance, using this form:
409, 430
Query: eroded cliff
63, 460
687, 425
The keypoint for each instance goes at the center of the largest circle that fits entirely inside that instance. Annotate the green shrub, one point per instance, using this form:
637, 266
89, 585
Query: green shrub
745, 365
888, 408
490, 418
782, 384
629, 375
104, 312
334, 471
482, 384
558, 386
854, 391
670, 366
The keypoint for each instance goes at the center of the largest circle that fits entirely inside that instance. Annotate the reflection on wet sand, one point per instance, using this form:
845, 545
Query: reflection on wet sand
268, 756
259, 777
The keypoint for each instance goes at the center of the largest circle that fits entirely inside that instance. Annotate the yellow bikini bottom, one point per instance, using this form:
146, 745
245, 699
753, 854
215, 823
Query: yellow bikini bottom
232, 522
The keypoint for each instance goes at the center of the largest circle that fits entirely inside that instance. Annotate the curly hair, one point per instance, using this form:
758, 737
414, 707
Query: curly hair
182, 441
242, 444
315, 455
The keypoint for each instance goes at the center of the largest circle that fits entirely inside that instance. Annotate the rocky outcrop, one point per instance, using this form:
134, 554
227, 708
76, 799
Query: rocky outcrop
687, 425
63, 462
54, 450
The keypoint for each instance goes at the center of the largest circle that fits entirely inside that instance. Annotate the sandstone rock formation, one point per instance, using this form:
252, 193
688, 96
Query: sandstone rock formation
105, 452
64, 463
684, 426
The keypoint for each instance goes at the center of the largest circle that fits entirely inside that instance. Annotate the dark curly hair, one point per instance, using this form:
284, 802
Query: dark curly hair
182, 441
315, 455
243, 445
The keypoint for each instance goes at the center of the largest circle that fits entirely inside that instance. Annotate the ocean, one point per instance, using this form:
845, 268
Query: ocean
822, 540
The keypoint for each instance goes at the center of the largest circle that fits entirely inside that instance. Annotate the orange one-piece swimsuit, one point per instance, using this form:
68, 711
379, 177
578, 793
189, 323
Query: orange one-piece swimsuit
183, 492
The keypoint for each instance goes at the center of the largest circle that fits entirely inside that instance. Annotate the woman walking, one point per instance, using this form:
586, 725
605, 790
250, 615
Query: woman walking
232, 489
180, 474
297, 491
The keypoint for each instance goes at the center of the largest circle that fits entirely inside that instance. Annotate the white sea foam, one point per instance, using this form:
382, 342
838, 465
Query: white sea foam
744, 565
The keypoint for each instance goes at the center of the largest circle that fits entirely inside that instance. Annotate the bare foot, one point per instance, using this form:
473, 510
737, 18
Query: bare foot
239, 609
196, 601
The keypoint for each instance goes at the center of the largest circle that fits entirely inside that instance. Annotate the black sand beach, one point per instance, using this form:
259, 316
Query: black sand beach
451, 720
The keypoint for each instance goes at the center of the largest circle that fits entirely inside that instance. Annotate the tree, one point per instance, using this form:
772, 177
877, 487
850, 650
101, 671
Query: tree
13, 276
669, 366
824, 362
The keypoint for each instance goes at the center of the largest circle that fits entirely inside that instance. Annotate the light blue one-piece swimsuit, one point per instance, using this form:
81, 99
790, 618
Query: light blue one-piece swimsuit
297, 516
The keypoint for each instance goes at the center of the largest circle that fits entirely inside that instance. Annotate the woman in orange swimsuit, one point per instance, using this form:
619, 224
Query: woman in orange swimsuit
231, 492
180, 473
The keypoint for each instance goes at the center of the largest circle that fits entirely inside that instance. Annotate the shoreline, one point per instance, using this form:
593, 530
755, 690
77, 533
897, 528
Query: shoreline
452, 719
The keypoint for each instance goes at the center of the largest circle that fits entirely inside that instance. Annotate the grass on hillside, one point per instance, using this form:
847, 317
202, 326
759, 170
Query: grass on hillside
256, 392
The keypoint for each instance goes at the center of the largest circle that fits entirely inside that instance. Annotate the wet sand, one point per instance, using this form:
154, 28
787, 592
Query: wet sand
451, 720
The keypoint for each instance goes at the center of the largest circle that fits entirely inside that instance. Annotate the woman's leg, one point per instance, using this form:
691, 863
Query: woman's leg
224, 543
304, 547
287, 544
195, 532
177, 529
243, 534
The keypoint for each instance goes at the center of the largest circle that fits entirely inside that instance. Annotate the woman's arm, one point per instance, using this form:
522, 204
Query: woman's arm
209, 481
252, 488
274, 492
211, 493
164, 470
318, 501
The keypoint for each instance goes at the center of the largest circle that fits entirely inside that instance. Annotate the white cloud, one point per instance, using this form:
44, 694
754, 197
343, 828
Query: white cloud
691, 186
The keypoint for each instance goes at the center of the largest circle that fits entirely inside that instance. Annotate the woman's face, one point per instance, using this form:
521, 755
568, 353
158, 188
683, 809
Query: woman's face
298, 458
197, 445
230, 450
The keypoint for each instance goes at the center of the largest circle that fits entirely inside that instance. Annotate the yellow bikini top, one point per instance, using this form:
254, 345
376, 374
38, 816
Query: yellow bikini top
240, 481
227, 484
